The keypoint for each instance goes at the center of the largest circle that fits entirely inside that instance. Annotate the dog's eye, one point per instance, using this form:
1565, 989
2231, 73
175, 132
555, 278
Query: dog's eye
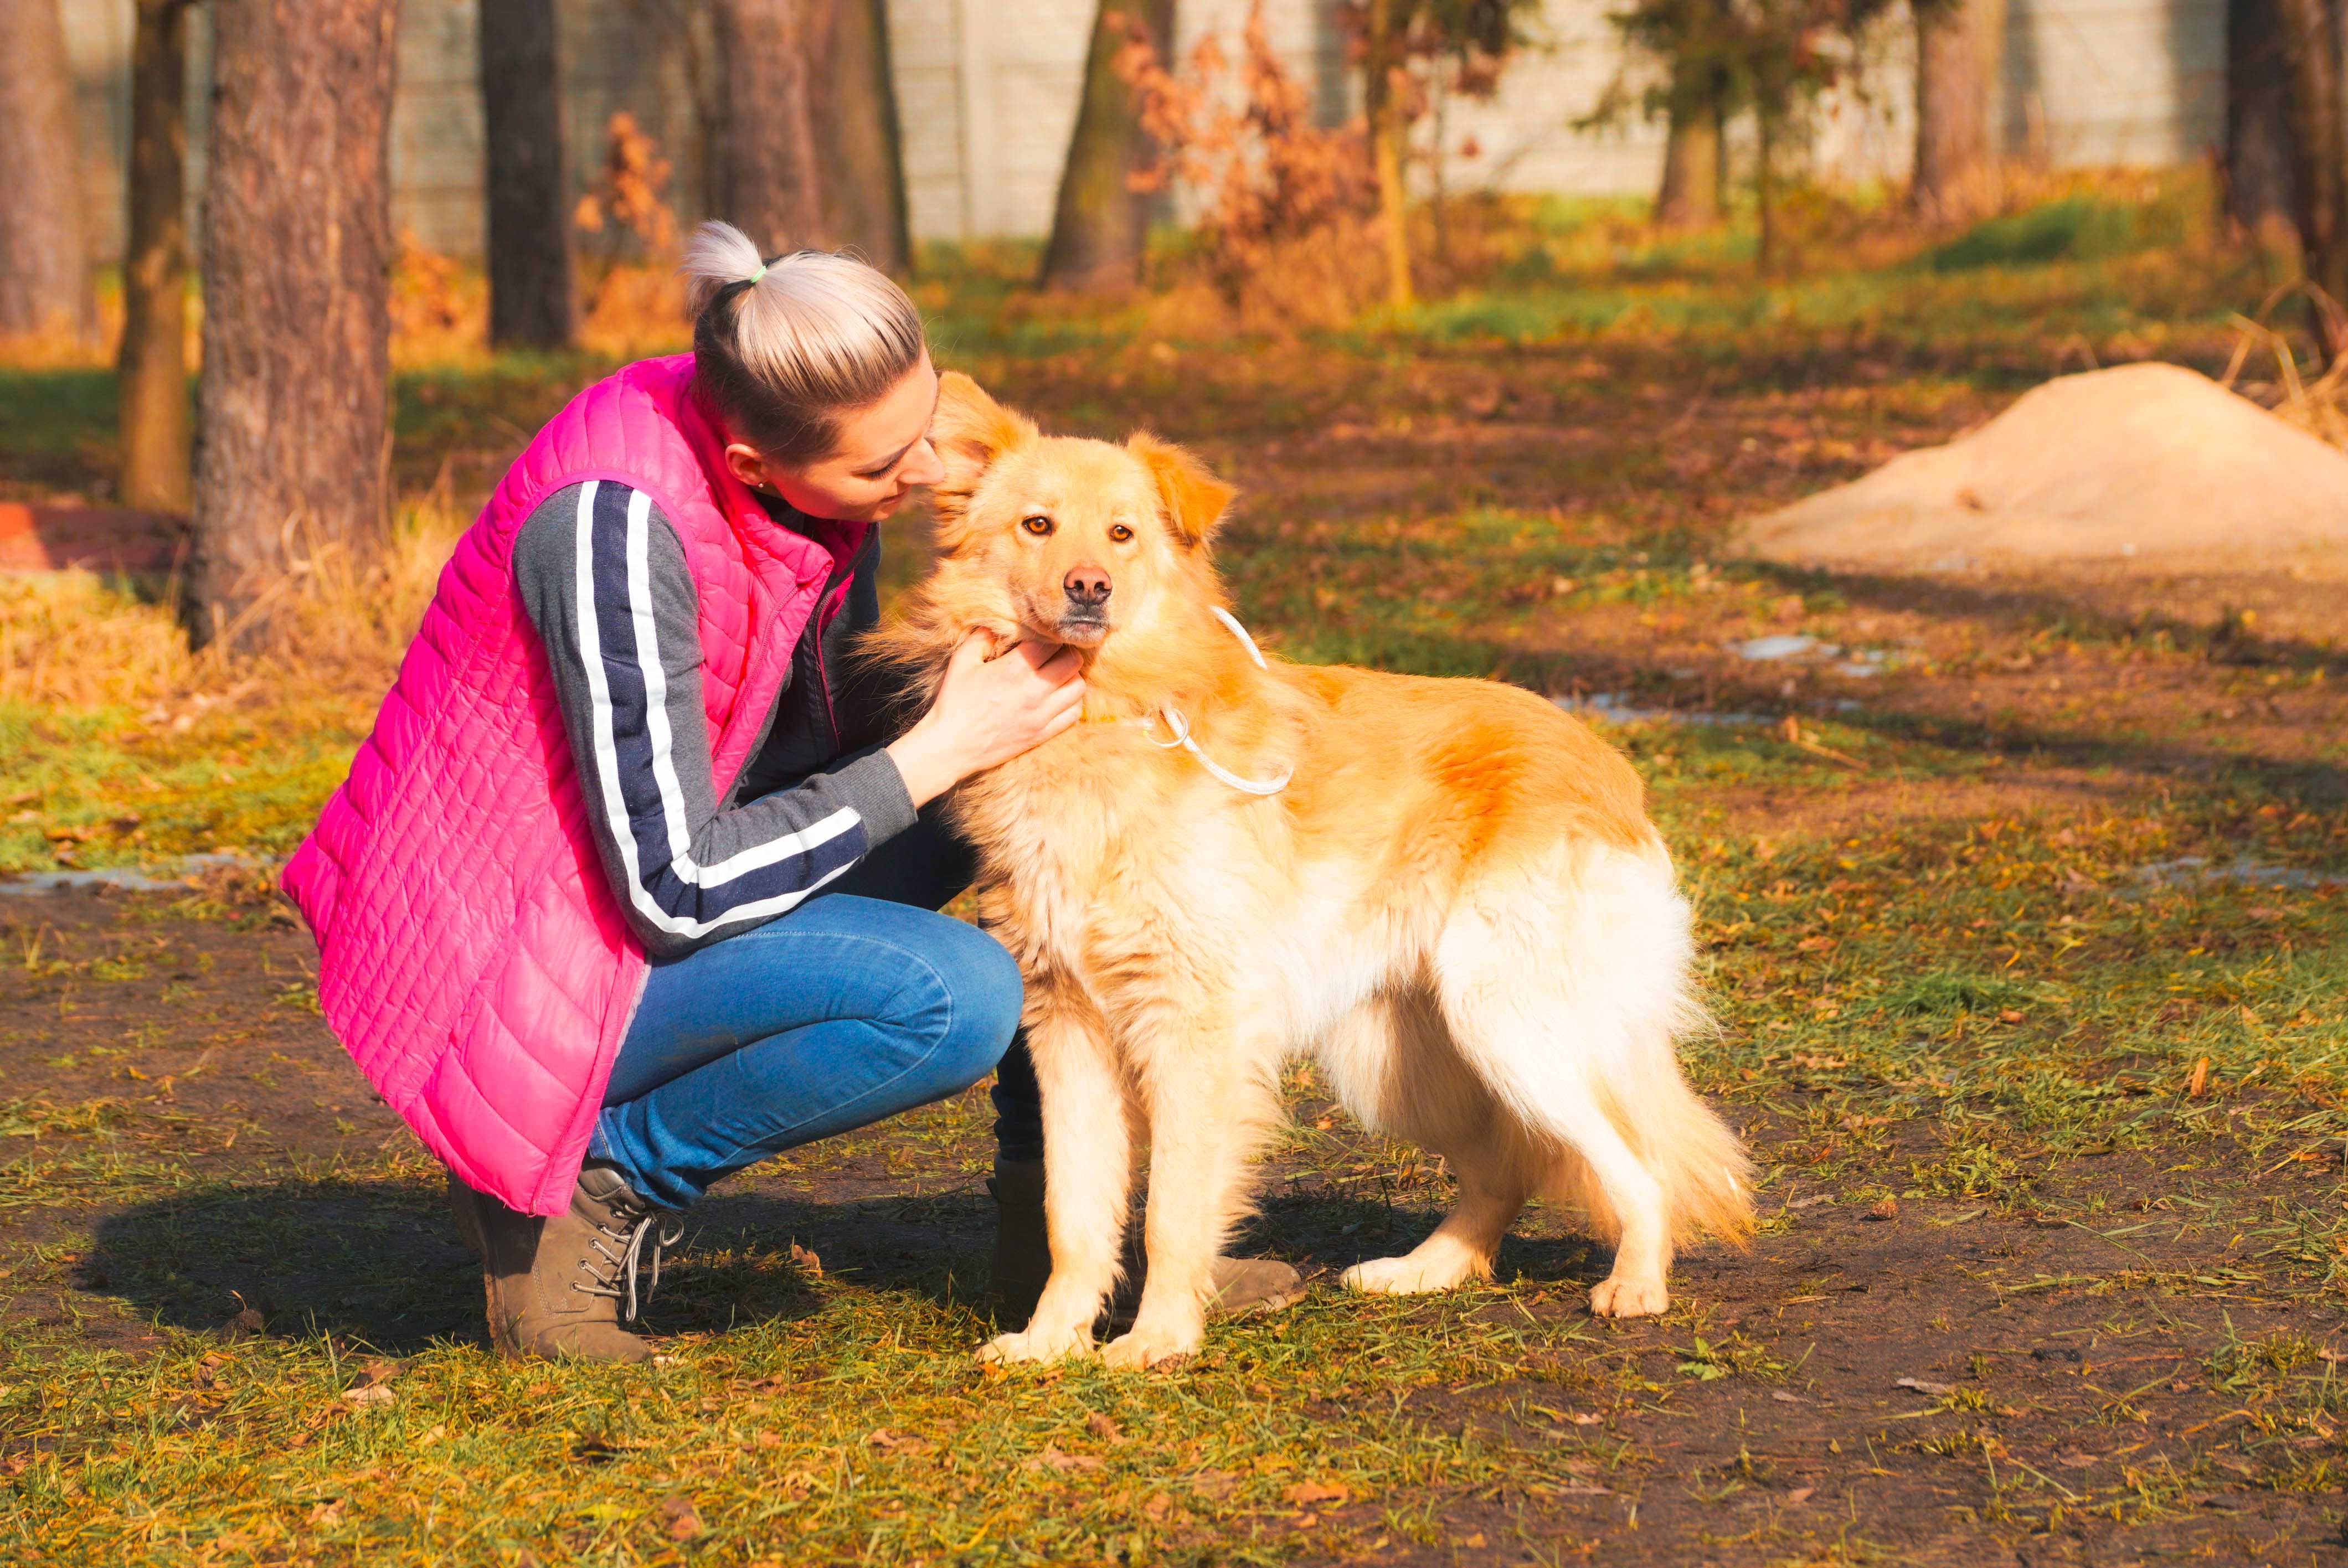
1039, 526
1119, 532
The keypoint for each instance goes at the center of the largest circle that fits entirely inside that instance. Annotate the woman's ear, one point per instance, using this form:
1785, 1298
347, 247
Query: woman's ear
970, 432
747, 466
1194, 499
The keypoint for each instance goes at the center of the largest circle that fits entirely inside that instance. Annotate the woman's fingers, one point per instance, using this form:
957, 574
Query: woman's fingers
1065, 665
1052, 661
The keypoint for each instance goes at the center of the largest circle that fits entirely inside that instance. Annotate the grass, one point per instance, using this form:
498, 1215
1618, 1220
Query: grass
1967, 977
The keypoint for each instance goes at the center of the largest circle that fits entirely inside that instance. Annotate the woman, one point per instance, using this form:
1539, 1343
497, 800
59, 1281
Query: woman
625, 892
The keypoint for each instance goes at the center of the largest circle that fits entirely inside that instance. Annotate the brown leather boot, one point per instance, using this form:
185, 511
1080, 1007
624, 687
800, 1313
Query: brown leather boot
1023, 1258
555, 1287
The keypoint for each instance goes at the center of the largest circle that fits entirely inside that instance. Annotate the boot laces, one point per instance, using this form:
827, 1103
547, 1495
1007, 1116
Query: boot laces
631, 1232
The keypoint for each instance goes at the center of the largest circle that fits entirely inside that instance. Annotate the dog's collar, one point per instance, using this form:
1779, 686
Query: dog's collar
1180, 727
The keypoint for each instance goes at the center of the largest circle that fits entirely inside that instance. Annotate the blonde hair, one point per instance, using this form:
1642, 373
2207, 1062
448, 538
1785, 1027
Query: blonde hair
782, 348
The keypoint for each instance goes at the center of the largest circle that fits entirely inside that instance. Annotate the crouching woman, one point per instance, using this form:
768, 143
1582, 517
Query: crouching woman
624, 893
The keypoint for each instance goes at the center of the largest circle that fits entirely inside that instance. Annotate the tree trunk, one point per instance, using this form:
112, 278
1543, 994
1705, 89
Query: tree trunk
1960, 51
532, 287
812, 157
45, 262
1382, 95
2259, 192
854, 106
1689, 197
296, 256
774, 189
153, 362
2319, 140
1100, 225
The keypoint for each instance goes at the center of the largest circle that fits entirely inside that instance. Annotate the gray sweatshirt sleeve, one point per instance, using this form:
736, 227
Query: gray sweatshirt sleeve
603, 578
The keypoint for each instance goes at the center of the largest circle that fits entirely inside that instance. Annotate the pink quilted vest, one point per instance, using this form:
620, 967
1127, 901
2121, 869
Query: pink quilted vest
472, 956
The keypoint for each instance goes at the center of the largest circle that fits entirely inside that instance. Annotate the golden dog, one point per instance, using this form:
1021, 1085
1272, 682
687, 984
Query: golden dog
1454, 903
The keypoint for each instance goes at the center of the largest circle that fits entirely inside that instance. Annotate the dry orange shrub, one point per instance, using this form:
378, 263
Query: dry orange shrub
337, 630
66, 350
439, 308
1286, 204
634, 300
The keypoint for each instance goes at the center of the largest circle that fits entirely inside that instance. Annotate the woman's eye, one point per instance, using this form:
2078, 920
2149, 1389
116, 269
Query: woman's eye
1119, 532
1039, 527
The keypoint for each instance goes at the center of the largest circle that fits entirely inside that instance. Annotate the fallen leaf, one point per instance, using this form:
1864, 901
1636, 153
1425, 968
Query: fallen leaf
680, 1520
1801, 1494
1784, 1398
1925, 1385
1305, 1491
1101, 1427
1214, 1485
378, 1372
1159, 1506
1053, 1458
2197, 1084
1888, 1209
2074, 1460
369, 1394
1474, 1541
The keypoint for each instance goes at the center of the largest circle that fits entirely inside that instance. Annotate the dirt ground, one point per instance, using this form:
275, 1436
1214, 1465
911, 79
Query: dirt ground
2024, 898
1923, 1357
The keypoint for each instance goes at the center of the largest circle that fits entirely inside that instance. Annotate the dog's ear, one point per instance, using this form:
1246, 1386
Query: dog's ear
972, 431
1194, 499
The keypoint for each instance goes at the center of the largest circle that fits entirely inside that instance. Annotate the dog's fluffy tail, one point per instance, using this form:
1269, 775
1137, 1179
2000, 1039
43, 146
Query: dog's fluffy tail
1706, 1174
1587, 1013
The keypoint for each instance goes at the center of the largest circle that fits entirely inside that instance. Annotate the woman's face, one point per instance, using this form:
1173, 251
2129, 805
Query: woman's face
882, 455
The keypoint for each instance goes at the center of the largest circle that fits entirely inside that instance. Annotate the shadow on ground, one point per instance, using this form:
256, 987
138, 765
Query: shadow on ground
378, 1263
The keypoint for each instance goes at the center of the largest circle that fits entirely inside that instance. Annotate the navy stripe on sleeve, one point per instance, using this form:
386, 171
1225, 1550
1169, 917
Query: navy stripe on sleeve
635, 760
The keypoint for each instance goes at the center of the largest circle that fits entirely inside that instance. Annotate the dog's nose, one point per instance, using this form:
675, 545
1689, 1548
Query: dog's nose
1086, 585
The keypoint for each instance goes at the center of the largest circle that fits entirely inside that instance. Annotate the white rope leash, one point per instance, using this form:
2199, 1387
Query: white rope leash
1227, 619
1180, 727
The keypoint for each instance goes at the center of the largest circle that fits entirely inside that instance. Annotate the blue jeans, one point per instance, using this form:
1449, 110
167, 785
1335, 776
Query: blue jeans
859, 1003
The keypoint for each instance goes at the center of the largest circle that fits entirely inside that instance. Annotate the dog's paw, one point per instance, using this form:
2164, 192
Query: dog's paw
1032, 1344
1398, 1277
1145, 1348
1617, 1296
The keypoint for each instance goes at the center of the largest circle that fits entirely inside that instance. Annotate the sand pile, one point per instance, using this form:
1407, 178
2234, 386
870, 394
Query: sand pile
2151, 468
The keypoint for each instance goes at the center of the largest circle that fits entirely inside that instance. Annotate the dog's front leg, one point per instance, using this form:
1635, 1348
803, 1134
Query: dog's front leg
1088, 1182
1204, 1108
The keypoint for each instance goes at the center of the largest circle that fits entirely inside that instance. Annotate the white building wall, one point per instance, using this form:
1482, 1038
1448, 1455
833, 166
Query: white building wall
987, 93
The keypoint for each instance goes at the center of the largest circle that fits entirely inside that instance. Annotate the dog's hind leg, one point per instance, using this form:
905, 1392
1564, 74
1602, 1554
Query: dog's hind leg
1393, 1065
1565, 1033
1493, 1186
1088, 1182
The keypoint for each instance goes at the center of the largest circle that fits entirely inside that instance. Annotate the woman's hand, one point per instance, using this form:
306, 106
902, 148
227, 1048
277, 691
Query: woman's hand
988, 710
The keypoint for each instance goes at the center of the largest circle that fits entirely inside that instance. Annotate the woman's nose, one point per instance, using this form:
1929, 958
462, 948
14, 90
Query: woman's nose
922, 466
